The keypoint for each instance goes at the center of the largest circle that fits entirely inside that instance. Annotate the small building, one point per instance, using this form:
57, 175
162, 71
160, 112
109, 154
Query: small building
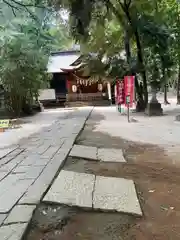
72, 85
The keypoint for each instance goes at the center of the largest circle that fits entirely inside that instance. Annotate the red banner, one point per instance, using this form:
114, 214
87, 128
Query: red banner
120, 99
129, 90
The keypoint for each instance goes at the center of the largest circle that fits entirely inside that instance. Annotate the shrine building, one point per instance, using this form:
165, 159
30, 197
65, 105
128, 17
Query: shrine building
72, 84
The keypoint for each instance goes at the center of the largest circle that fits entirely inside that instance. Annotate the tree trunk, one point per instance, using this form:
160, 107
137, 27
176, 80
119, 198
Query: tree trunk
140, 106
178, 87
139, 55
125, 9
143, 72
127, 46
140, 100
165, 95
165, 88
26, 107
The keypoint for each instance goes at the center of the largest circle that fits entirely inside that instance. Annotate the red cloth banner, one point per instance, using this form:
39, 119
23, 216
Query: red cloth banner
120, 99
129, 90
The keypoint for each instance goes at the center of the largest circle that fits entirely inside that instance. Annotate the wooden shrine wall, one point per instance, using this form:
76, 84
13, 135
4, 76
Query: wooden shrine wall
83, 86
90, 88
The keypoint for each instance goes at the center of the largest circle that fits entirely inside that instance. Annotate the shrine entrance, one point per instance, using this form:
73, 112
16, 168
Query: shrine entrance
87, 92
73, 83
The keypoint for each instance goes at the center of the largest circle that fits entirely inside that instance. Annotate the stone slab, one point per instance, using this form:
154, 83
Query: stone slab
12, 164
7, 182
39, 187
28, 172
30, 160
42, 149
13, 155
11, 196
35, 192
2, 218
4, 152
3, 175
13, 232
116, 194
20, 214
33, 172
84, 152
21, 169
51, 151
71, 188
8, 167
16, 152
41, 161
110, 155
68, 143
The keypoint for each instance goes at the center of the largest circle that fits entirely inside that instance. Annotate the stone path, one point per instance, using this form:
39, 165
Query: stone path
71, 188
27, 171
84, 152
97, 154
94, 192
115, 194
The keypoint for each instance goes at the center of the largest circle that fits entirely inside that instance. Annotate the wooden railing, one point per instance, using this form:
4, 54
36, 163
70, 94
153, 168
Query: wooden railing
84, 97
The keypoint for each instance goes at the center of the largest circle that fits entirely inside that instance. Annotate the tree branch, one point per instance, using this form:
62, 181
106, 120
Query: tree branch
14, 3
26, 5
11, 6
115, 11
128, 3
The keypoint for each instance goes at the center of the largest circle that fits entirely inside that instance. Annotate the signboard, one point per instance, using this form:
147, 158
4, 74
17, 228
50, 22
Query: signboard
4, 123
129, 90
46, 94
120, 92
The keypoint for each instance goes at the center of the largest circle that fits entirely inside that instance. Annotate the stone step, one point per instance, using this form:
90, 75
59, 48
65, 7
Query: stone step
88, 103
94, 192
98, 154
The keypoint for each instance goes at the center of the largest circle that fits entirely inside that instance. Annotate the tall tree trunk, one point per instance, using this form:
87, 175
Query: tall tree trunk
140, 100
127, 46
165, 94
143, 72
165, 87
125, 9
178, 86
139, 55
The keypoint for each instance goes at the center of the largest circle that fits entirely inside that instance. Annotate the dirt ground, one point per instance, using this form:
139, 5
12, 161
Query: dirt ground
157, 181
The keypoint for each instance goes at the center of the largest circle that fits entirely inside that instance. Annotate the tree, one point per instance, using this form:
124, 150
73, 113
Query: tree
136, 26
22, 69
26, 42
132, 16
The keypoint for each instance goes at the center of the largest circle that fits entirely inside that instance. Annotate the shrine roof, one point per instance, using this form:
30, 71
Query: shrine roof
62, 60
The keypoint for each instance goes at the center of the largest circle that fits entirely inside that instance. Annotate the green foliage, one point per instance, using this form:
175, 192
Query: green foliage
22, 68
27, 35
148, 31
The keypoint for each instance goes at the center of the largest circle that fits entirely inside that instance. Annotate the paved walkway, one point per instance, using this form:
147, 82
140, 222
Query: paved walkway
28, 169
92, 191
31, 125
